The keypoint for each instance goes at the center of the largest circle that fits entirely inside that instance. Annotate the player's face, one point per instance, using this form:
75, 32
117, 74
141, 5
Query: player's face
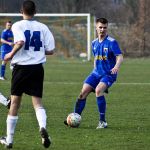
8, 25
101, 29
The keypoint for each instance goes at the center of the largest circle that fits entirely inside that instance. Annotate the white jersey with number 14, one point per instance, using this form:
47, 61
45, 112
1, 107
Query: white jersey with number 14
37, 39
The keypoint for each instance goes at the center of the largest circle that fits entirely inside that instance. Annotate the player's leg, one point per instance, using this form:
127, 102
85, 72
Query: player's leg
41, 118
11, 121
12, 117
89, 85
81, 100
104, 84
3, 66
101, 102
40, 111
17, 89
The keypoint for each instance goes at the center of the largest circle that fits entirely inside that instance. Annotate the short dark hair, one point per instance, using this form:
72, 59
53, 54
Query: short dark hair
102, 20
28, 7
8, 21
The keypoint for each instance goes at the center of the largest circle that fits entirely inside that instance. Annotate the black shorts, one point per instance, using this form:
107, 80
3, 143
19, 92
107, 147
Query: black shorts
27, 79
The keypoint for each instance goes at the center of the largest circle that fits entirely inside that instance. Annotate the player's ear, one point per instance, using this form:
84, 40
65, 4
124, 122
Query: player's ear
21, 11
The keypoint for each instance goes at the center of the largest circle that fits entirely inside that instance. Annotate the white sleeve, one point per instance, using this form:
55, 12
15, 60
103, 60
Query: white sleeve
49, 40
18, 33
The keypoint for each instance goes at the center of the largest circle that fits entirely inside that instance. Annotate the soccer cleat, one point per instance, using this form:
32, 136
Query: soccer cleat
46, 141
4, 100
4, 142
65, 122
102, 125
2, 78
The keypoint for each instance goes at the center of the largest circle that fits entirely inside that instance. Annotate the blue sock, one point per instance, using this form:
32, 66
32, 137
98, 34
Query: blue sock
79, 106
101, 102
3, 70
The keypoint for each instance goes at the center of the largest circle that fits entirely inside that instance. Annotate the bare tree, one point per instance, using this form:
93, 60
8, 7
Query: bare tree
141, 26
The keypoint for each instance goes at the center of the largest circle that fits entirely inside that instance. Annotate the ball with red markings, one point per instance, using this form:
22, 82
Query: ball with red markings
74, 120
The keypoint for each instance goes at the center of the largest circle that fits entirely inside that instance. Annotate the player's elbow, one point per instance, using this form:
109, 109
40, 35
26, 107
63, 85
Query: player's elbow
21, 43
120, 57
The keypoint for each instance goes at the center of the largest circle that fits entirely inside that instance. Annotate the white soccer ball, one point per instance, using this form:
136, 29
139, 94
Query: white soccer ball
74, 120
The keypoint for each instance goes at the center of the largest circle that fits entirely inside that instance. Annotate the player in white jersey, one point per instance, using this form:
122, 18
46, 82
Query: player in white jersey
33, 41
37, 38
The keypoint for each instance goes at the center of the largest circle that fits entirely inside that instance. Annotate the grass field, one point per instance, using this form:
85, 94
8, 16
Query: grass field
128, 109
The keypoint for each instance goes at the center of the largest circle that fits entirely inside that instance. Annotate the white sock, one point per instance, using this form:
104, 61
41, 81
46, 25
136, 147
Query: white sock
11, 125
3, 100
41, 116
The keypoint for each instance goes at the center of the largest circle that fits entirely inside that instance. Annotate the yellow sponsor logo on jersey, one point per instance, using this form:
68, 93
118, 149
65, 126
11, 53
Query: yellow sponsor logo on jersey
99, 57
11, 38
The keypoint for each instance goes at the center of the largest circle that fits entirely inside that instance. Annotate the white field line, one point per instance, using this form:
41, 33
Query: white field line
121, 83
134, 83
74, 83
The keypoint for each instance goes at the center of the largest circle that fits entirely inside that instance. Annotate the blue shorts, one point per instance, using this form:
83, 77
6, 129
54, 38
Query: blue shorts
3, 54
93, 80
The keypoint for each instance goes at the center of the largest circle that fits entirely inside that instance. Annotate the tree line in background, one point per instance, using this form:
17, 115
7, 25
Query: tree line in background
131, 18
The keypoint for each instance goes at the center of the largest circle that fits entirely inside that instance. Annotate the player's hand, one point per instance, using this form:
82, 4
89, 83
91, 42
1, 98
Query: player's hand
11, 44
114, 70
8, 56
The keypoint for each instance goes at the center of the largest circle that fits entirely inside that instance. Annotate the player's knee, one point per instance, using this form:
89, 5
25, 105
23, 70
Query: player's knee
85, 92
80, 96
98, 92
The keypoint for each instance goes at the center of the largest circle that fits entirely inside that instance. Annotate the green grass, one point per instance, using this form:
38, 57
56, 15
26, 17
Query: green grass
128, 109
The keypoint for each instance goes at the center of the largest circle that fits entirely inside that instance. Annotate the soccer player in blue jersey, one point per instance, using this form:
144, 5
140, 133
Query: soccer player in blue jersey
107, 60
6, 47
32, 42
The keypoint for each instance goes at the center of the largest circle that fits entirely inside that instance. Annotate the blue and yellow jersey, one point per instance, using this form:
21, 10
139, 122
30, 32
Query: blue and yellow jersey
105, 53
8, 36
